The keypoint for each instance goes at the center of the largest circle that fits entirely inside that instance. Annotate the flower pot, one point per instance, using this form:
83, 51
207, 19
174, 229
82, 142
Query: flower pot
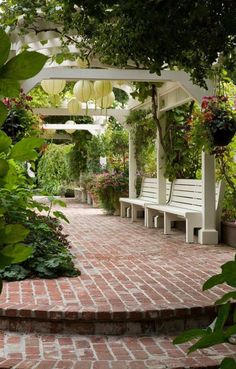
222, 137
228, 233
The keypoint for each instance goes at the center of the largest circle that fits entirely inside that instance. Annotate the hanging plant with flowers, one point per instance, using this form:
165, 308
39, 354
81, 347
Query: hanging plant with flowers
215, 125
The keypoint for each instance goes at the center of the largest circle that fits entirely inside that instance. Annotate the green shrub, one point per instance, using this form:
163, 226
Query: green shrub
109, 188
53, 169
51, 256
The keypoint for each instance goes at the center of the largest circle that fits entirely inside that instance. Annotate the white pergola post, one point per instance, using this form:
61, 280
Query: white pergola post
208, 234
132, 166
161, 180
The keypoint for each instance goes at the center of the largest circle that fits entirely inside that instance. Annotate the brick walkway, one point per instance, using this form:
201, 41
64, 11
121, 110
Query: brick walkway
129, 273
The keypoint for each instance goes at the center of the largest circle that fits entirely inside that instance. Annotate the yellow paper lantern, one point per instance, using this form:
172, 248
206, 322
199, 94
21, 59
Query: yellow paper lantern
74, 106
106, 101
83, 91
55, 100
70, 130
102, 88
82, 63
53, 86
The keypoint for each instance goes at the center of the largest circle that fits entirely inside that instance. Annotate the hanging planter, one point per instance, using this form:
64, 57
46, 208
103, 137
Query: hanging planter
74, 106
219, 118
53, 86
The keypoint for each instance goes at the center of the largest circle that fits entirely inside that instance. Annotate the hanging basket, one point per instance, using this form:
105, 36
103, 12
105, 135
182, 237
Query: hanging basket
222, 137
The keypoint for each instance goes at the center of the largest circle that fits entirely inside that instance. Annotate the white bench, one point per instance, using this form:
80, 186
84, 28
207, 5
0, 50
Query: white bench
185, 203
148, 194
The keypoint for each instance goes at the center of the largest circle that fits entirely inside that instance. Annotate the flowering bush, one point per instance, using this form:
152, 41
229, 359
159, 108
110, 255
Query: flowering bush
215, 125
109, 187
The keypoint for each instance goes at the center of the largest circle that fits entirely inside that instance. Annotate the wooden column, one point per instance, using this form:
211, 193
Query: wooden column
132, 166
161, 180
208, 234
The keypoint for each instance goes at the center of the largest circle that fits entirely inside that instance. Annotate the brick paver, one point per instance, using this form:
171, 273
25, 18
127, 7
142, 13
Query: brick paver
125, 268
100, 352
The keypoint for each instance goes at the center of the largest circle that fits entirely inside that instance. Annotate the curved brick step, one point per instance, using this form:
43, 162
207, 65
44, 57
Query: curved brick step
31, 351
52, 319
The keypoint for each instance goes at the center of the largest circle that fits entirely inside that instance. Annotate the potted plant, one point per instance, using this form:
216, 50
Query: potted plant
215, 125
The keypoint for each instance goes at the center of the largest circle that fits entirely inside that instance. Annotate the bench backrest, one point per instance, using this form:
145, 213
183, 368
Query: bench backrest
187, 194
149, 190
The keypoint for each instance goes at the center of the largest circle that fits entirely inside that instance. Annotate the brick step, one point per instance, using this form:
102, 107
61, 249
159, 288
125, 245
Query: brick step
51, 319
44, 351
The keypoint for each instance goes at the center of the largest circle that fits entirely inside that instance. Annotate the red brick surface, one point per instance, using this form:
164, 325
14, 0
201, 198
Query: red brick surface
126, 269
99, 352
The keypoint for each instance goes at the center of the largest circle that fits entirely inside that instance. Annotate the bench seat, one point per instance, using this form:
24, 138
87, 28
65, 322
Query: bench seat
185, 203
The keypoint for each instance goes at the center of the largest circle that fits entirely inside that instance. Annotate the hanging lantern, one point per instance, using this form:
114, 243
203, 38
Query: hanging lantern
102, 88
82, 63
106, 101
70, 130
83, 91
55, 100
53, 86
74, 106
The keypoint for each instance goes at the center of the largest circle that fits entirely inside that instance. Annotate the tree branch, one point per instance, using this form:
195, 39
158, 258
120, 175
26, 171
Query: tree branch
154, 113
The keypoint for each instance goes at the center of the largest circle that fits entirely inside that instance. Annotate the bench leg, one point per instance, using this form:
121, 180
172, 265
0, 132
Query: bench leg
167, 223
148, 218
123, 208
134, 213
189, 230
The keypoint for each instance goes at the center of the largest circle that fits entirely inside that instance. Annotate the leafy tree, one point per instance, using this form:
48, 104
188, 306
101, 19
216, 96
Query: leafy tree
151, 34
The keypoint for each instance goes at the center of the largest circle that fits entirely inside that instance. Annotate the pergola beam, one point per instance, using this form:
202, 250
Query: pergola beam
119, 114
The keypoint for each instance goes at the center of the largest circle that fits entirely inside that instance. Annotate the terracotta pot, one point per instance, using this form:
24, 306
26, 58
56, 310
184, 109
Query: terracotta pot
228, 233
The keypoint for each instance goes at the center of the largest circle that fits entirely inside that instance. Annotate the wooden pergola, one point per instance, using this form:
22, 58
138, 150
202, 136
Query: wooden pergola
176, 89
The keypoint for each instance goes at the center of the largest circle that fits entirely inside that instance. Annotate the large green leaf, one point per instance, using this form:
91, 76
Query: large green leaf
229, 273
25, 149
5, 45
3, 112
4, 261
228, 363
11, 179
17, 253
13, 233
189, 335
23, 66
227, 296
4, 167
208, 340
222, 316
213, 281
9, 88
5, 142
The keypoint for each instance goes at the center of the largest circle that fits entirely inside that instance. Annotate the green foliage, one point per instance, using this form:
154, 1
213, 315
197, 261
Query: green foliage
109, 187
120, 96
109, 28
95, 150
223, 329
54, 169
115, 140
182, 158
50, 257
144, 130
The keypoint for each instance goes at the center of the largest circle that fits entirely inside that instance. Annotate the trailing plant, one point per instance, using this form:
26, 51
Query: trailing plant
95, 150
53, 171
20, 121
182, 159
144, 129
121, 96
